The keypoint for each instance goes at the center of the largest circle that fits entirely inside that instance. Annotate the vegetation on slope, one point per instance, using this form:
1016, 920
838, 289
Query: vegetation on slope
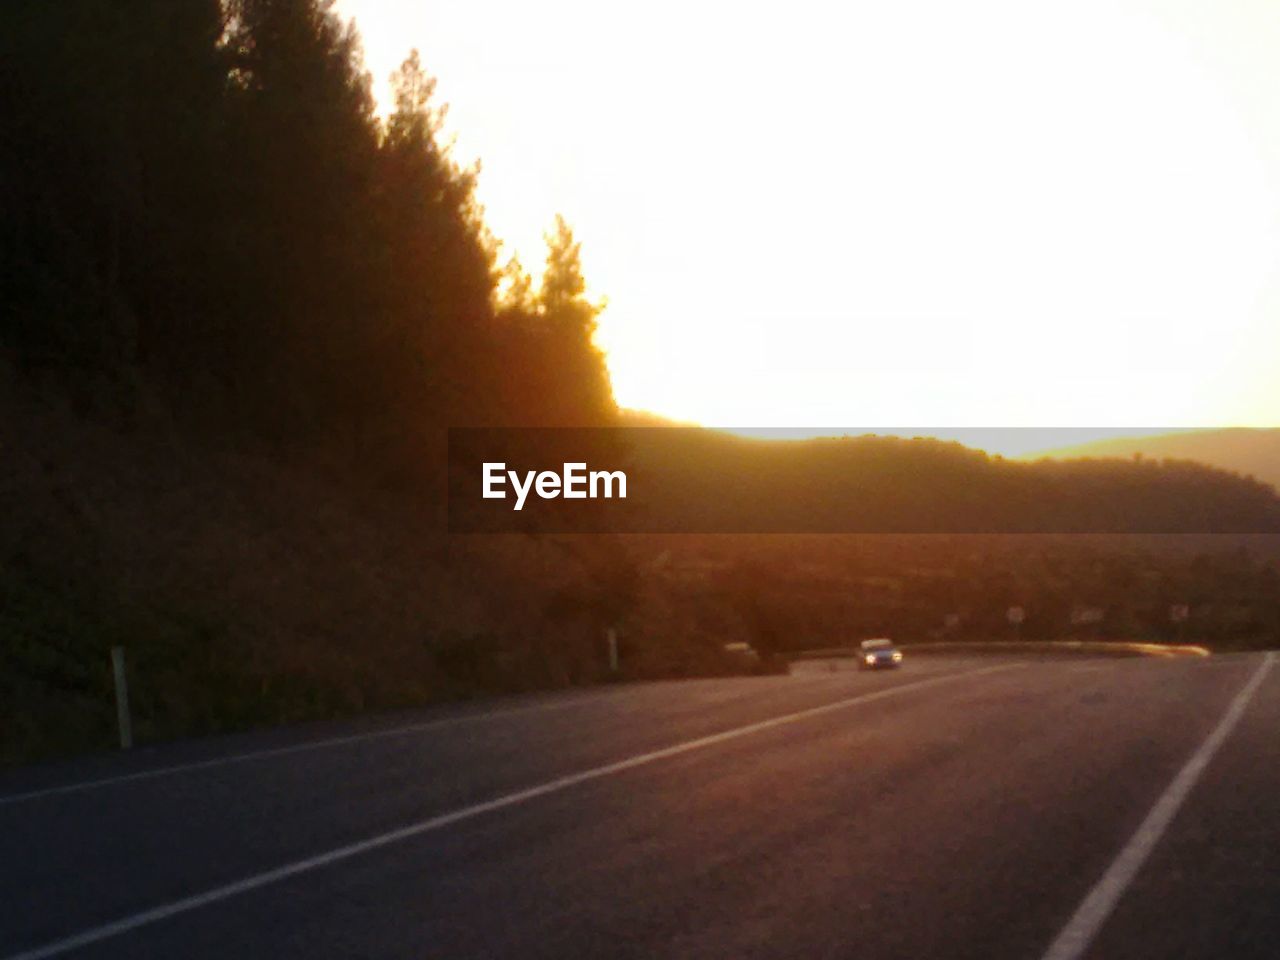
239, 312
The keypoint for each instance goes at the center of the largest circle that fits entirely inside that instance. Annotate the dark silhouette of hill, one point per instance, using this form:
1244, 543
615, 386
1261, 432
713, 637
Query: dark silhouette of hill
1250, 452
695, 480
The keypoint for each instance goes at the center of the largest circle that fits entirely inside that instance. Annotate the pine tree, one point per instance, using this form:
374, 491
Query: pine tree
582, 390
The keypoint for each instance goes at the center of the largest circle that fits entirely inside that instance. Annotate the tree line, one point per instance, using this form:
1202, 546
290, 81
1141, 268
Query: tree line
201, 208
792, 593
695, 480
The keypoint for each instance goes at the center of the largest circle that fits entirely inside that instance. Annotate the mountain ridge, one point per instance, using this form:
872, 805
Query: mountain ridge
1249, 451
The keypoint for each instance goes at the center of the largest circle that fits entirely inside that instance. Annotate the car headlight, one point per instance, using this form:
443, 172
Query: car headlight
897, 656
871, 659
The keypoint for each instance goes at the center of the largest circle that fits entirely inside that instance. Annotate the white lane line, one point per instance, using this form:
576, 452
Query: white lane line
125, 924
294, 748
1092, 913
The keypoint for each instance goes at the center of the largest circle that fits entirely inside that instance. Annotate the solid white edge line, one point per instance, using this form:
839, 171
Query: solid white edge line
1098, 904
134, 921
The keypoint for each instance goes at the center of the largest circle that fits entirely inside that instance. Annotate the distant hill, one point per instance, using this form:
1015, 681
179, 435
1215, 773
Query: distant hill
1252, 452
696, 480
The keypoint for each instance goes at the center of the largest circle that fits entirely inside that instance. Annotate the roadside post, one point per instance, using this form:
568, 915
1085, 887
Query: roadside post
1015, 616
613, 650
122, 698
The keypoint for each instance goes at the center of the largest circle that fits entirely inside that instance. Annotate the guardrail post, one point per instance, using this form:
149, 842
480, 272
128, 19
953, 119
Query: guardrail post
122, 698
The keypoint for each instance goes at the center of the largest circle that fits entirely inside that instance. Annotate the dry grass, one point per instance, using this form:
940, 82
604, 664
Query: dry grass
246, 591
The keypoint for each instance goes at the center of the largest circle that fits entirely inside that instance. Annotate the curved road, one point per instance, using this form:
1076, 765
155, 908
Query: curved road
988, 808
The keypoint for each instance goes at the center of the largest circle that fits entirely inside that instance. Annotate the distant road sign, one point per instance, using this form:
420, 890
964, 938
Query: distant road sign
1016, 615
1180, 612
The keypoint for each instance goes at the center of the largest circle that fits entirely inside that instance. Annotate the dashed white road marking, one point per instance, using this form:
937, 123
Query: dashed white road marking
155, 914
326, 743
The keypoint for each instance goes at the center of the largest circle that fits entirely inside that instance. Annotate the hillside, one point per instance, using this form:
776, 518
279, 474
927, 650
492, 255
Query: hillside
1251, 452
254, 588
240, 314
695, 480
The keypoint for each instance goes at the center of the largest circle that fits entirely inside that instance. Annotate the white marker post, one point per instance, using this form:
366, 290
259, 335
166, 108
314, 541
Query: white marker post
613, 650
122, 698
1016, 615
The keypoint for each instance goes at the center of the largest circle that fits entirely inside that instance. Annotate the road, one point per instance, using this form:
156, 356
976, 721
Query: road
985, 807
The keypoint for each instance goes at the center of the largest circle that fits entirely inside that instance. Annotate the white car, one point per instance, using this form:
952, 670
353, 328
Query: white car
878, 653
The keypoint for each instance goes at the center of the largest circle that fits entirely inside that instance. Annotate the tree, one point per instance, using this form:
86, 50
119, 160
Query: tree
302, 143
516, 293
198, 197
580, 389
108, 112
440, 279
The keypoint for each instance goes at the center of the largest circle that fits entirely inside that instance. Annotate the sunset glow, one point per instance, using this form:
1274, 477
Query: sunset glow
927, 213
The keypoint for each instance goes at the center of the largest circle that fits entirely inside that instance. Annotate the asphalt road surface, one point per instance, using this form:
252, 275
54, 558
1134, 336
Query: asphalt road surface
986, 808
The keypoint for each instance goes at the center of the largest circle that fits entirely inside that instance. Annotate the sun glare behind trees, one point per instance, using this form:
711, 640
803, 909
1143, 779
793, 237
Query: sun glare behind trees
920, 213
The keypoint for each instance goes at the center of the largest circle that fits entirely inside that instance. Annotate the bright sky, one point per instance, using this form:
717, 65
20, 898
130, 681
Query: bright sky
924, 212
